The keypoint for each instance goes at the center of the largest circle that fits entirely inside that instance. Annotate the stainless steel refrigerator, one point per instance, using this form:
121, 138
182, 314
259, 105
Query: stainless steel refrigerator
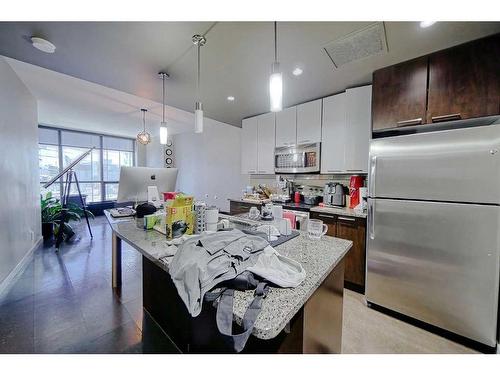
433, 235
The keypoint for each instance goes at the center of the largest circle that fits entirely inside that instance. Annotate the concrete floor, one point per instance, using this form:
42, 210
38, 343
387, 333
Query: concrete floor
63, 303
371, 332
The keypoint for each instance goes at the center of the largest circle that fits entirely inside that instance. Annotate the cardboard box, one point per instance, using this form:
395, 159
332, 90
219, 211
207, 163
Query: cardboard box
179, 217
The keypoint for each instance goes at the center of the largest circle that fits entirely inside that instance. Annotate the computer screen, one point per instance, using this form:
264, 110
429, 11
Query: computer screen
134, 182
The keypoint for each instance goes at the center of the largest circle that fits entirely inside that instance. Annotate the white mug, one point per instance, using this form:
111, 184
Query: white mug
316, 229
285, 227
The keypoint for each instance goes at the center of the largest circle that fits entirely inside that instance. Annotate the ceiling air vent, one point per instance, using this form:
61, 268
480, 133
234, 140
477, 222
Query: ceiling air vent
360, 44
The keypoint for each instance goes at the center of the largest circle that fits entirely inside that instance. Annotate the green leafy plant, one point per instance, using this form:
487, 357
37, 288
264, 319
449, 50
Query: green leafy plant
52, 212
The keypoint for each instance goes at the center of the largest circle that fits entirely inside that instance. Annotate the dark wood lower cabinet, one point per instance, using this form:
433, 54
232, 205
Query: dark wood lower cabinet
352, 229
237, 207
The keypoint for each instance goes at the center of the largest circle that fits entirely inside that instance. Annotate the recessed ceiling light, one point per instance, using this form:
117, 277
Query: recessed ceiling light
297, 71
43, 45
425, 24
230, 98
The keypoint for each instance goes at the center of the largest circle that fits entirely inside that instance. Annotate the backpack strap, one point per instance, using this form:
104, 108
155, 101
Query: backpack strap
225, 316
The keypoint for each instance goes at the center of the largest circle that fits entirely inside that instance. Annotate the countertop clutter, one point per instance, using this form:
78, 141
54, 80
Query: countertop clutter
305, 207
318, 257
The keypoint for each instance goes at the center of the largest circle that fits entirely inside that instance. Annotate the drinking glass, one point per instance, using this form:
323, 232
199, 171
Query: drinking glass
316, 229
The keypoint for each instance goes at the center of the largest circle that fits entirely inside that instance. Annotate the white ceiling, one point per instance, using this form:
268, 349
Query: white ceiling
235, 61
73, 103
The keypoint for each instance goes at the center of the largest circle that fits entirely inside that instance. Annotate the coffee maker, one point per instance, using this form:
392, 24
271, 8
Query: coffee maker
334, 194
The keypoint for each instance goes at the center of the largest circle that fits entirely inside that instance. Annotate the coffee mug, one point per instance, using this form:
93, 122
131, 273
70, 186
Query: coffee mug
316, 229
285, 227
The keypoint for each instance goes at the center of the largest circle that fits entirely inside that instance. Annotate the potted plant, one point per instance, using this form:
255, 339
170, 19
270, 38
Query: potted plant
52, 210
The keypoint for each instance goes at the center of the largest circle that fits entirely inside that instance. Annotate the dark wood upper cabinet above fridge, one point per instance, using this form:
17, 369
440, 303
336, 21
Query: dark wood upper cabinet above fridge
458, 83
399, 95
464, 81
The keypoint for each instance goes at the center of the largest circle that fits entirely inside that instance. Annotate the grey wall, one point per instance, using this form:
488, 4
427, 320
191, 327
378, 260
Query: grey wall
209, 163
20, 225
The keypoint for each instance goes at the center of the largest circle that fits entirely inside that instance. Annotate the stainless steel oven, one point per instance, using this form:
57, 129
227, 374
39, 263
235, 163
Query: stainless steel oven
297, 159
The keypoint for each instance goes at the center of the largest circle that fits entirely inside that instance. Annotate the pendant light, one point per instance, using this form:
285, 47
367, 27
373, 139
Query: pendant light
163, 125
276, 79
144, 137
199, 41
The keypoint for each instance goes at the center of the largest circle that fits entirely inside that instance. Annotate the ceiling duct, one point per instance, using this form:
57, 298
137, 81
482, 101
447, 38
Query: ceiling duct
360, 44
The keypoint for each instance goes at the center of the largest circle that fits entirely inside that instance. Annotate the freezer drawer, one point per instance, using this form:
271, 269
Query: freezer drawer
460, 165
436, 262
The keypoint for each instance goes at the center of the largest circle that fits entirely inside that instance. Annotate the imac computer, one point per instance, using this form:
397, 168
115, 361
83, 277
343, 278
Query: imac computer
141, 184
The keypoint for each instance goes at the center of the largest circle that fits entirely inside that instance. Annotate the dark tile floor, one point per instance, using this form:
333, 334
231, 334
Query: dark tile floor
63, 302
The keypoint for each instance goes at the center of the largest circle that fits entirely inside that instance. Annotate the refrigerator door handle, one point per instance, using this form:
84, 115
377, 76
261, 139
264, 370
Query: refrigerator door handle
371, 177
371, 219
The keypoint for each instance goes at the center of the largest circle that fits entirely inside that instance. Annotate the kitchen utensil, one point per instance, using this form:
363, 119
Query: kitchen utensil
316, 229
211, 218
296, 197
311, 199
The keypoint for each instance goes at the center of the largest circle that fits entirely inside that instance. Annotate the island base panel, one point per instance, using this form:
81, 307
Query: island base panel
200, 334
323, 315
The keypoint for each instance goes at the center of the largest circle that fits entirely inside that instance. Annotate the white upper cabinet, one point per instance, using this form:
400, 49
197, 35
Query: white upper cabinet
249, 145
358, 129
286, 127
333, 134
266, 142
309, 122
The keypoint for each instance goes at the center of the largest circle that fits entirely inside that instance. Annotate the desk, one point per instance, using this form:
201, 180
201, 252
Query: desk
306, 319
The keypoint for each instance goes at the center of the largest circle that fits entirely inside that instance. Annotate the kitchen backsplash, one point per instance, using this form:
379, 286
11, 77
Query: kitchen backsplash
304, 179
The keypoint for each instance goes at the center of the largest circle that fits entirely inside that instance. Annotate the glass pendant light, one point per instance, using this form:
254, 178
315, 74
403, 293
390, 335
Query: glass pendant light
163, 125
276, 79
198, 41
144, 137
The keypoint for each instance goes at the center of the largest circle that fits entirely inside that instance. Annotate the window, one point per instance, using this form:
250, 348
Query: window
98, 173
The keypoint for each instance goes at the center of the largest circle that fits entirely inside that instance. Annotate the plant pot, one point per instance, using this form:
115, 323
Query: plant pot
47, 230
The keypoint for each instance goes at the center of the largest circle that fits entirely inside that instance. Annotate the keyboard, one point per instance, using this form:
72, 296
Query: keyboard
122, 212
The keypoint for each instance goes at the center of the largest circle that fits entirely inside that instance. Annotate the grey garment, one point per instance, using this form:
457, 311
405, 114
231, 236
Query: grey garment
204, 261
225, 316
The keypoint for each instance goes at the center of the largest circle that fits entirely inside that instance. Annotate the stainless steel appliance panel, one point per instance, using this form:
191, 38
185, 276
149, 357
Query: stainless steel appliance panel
460, 165
436, 262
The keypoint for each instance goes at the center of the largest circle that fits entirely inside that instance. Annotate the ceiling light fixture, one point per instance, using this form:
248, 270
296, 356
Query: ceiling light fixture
276, 79
424, 24
297, 71
144, 137
199, 41
230, 98
42, 45
163, 124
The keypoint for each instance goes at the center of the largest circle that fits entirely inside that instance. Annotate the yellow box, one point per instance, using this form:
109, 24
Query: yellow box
179, 217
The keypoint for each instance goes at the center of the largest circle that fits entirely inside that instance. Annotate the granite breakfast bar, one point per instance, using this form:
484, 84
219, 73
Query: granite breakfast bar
305, 319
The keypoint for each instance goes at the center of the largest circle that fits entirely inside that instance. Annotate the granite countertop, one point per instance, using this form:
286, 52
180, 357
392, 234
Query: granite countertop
318, 257
339, 211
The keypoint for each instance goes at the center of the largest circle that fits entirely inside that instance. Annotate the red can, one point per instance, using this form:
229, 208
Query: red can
296, 197
354, 184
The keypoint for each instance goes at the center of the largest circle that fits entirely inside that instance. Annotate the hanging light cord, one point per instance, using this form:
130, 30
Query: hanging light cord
163, 102
198, 81
144, 119
275, 41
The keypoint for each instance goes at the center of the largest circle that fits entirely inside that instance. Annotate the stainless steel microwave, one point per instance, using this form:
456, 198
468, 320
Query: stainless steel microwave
297, 159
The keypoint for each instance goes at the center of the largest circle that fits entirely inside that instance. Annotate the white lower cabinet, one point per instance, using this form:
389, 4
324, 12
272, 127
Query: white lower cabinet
346, 131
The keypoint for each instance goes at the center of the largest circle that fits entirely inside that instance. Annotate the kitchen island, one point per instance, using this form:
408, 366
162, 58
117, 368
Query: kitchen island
305, 319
